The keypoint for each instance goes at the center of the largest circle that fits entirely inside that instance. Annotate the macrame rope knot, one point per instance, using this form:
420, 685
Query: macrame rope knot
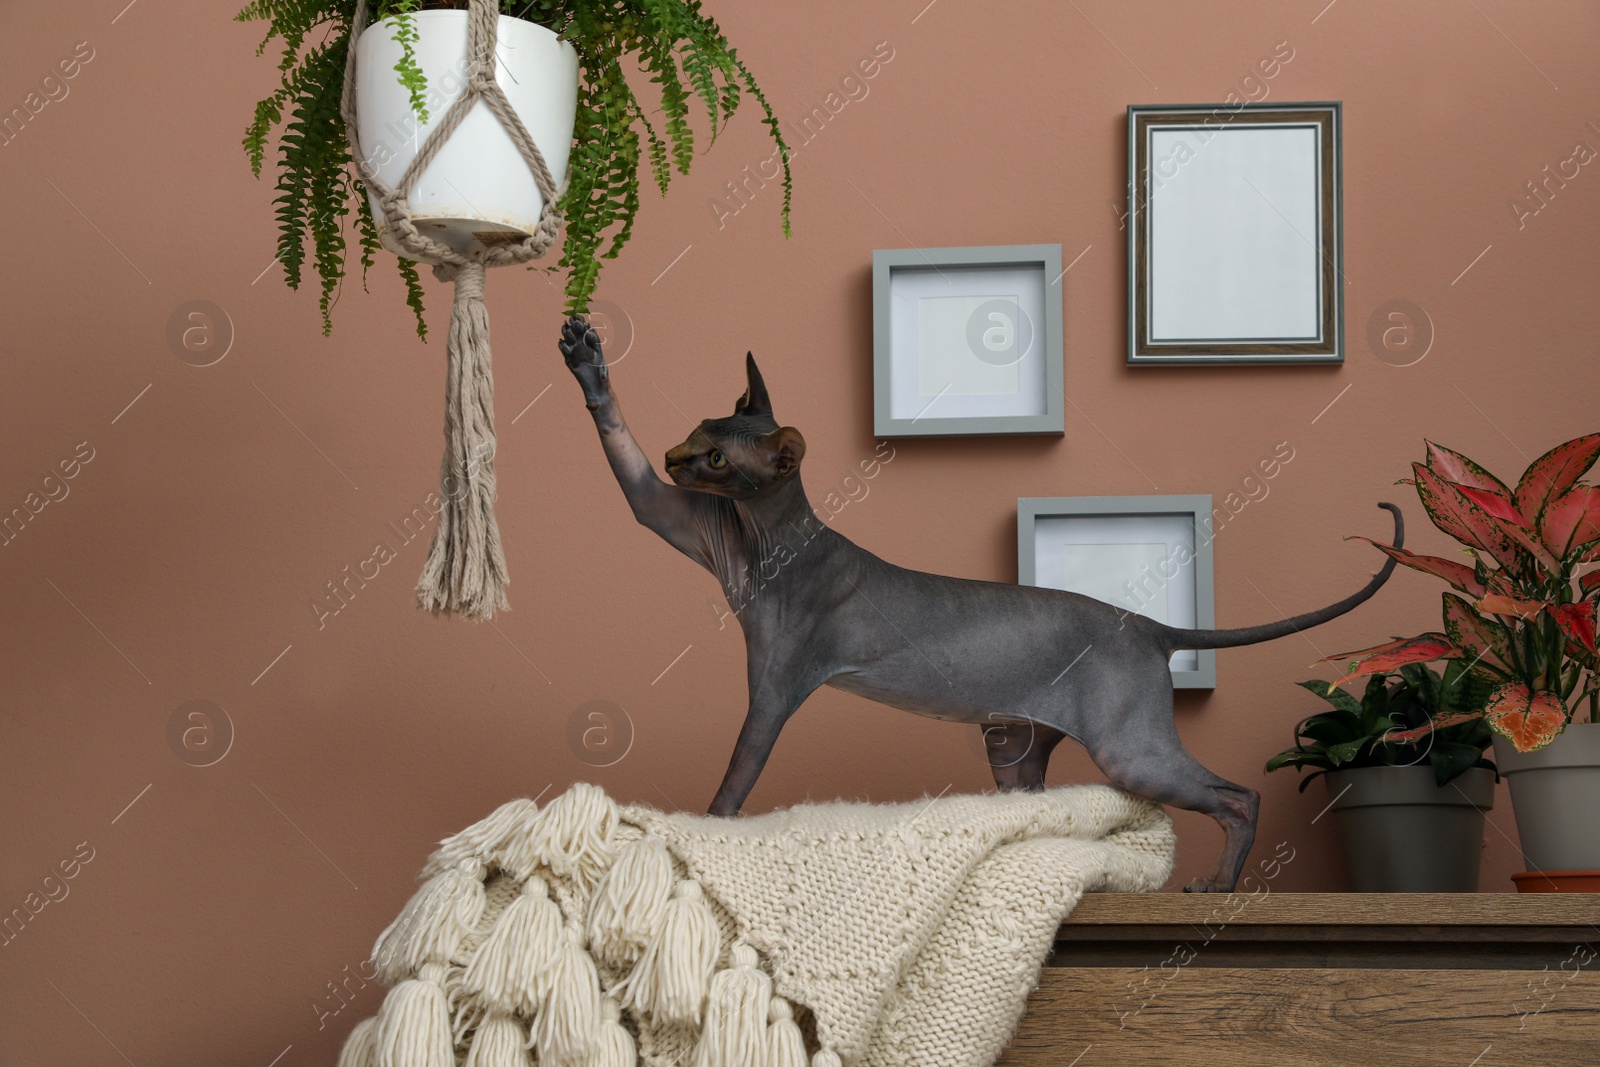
465, 572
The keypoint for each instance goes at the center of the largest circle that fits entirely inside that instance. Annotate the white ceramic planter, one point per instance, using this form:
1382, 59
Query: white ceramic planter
478, 186
1555, 795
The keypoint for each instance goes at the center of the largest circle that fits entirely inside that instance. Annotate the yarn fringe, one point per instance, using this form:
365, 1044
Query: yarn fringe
499, 1041
568, 1028
673, 975
506, 971
485, 838
571, 836
630, 901
438, 917
360, 1048
413, 1028
786, 1046
615, 1047
465, 572
735, 1031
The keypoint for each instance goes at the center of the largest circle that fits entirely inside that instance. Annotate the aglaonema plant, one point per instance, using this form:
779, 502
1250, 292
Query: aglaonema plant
1523, 613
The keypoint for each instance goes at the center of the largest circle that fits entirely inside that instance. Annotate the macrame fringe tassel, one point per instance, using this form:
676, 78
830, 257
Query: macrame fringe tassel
431, 927
506, 971
484, 838
670, 981
826, 1058
465, 572
568, 1027
414, 1023
786, 1046
360, 1048
630, 901
571, 836
616, 1047
499, 1041
735, 1031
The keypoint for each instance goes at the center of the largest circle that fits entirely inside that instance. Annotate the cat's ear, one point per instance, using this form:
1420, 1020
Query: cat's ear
754, 401
787, 449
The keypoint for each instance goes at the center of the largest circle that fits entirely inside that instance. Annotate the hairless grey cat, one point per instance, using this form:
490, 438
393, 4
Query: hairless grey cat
819, 610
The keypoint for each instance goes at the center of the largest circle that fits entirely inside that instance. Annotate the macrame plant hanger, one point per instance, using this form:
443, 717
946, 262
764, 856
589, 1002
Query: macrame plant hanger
465, 573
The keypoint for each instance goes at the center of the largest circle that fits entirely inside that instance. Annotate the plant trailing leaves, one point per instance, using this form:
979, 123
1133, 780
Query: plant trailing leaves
681, 50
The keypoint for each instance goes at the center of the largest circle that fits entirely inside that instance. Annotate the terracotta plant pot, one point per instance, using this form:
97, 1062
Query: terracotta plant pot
1555, 795
1404, 834
1557, 881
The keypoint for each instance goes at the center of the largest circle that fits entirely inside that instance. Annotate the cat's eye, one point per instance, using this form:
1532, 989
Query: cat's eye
717, 460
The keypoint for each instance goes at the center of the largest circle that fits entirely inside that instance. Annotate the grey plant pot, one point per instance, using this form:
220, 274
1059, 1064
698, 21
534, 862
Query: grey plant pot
1403, 834
1555, 796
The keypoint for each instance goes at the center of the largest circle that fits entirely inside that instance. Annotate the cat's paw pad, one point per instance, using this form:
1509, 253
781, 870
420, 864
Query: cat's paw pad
580, 344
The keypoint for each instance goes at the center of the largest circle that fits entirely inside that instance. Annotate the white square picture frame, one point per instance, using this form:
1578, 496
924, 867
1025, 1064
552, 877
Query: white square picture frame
967, 341
1147, 555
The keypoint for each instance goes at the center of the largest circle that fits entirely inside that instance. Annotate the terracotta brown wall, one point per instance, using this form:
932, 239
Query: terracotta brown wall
183, 562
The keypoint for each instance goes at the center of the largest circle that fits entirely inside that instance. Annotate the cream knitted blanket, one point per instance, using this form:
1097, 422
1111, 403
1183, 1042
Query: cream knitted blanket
586, 934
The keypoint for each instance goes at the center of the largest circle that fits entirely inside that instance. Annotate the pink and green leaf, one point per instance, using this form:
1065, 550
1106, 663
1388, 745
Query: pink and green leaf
1391, 655
1529, 720
1496, 604
1452, 466
1571, 521
1512, 523
1589, 583
1457, 574
1417, 733
1577, 621
1462, 519
1555, 472
1481, 638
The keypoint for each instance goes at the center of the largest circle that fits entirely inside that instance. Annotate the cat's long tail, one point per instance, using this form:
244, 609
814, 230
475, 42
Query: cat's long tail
1250, 635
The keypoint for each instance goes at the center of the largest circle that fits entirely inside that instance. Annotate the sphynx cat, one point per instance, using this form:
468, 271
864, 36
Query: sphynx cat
1030, 665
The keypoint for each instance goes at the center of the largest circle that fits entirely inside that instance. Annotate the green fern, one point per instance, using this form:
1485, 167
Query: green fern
681, 50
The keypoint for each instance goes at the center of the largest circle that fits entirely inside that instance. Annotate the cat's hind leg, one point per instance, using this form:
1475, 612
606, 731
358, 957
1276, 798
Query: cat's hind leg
1019, 753
1137, 748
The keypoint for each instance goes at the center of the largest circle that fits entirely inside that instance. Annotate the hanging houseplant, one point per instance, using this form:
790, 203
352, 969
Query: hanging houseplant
448, 133
1523, 618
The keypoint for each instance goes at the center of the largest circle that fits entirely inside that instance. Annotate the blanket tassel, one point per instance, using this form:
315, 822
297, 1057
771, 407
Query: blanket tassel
360, 1049
568, 1028
509, 968
499, 1042
786, 1046
735, 1032
670, 980
414, 1023
465, 572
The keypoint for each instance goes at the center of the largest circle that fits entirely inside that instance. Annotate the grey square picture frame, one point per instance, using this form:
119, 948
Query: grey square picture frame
1235, 233
1107, 524
950, 314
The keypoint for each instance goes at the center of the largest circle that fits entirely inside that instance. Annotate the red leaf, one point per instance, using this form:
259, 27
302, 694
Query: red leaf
1495, 604
1472, 632
1419, 732
1452, 466
1589, 583
1528, 720
1457, 574
1577, 622
1381, 659
1555, 472
1511, 523
1500, 507
1571, 520
1459, 517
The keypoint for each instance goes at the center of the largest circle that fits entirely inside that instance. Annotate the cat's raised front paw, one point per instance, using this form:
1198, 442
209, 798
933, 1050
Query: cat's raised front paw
580, 346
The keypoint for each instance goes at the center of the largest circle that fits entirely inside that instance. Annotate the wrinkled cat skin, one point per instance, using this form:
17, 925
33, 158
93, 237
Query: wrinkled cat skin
1041, 663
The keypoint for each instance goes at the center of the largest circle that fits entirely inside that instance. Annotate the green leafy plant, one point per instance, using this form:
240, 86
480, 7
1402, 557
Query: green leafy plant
1523, 616
680, 49
1362, 733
